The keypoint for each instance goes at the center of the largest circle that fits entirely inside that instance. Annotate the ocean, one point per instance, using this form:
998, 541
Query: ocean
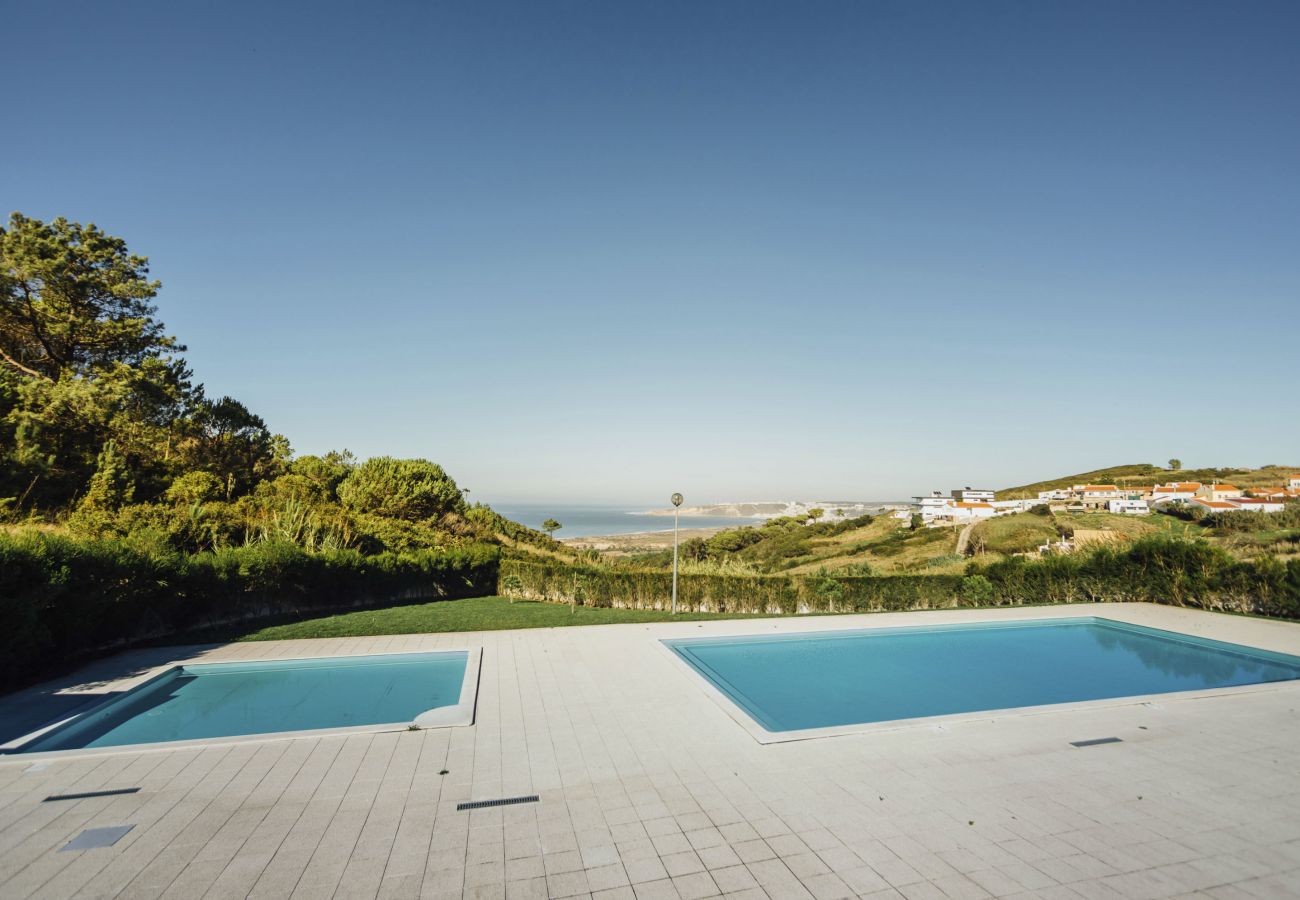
585, 521
603, 519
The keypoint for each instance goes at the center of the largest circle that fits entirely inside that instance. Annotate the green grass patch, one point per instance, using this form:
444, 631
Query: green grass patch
473, 614
1016, 533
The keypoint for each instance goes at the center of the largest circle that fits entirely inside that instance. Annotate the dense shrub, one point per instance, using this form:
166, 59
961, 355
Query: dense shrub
409, 489
1157, 570
633, 589
62, 597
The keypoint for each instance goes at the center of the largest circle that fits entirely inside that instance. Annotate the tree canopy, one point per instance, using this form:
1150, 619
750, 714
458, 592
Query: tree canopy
74, 300
103, 428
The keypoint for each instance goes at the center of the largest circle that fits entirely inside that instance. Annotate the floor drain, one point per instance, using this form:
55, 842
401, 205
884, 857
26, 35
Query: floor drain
89, 794
97, 837
1095, 741
508, 801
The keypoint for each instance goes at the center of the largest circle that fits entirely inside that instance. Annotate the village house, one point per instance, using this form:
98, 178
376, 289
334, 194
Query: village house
1175, 490
969, 494
1258, 504
1096, 496
1218, 492
1129, 507
1214, 506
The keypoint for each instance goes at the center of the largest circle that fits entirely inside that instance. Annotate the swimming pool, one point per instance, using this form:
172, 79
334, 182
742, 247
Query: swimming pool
209, 701
797, 682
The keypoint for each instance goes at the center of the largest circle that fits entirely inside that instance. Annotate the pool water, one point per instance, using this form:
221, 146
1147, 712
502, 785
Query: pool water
214, 700
821, 680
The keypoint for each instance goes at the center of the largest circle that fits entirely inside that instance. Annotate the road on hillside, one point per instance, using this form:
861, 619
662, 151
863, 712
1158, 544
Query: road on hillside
964, 538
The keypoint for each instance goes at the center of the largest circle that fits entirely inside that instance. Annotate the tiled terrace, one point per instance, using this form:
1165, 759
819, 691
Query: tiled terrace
649, 790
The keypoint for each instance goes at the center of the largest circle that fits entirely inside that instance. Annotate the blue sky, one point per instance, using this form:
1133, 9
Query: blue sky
606, 250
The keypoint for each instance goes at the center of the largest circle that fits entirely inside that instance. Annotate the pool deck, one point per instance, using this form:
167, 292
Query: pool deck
649, 789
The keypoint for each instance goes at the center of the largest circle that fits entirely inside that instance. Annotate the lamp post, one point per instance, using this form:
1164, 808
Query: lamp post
677, 504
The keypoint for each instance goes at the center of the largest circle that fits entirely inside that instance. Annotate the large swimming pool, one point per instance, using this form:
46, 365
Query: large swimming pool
827, 679
223, 700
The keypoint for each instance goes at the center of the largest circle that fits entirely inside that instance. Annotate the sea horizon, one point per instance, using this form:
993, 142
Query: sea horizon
599, 519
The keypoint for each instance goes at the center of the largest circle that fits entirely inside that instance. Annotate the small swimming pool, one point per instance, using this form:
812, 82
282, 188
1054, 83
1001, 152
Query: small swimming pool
823, 680
224, 700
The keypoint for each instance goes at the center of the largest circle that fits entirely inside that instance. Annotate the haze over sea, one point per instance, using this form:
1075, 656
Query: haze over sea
587, 520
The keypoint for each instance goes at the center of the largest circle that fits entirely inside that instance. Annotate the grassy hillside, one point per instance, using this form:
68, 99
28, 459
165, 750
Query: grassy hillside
1145, 474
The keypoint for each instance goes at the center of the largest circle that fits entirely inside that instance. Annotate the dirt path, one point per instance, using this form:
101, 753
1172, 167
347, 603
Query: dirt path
964, 538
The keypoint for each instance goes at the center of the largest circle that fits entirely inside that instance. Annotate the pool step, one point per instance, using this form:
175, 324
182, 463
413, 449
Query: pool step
1095, 741
88, 794
508, 801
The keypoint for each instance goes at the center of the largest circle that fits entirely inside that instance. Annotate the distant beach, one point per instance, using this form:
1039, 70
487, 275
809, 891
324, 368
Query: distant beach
611, 520
582, 521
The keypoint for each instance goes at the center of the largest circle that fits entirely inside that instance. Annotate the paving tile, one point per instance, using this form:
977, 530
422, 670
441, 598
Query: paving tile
648, 790
695, 886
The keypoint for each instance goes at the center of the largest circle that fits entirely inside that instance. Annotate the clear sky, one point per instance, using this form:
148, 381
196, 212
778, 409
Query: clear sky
608, 250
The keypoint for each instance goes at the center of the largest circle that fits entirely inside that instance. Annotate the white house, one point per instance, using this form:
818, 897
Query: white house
1216, 506
1219, 491
1129, 507
1293, 483
1004, 507
1257, 504
934, 506
969, 494
1175, 490
1096, 492
963, 511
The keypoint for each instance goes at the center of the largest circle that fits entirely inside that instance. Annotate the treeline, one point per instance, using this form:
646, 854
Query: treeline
105, 432
1156, 569
63, 598
133, 504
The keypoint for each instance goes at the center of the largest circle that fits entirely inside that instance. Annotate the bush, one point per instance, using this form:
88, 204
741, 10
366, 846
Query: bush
1155, 569
642, 589
409, 489
62, 598
976, 590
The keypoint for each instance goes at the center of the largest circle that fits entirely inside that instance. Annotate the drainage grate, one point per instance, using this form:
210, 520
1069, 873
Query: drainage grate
97, 837
1095, 741
89, 794
508, 801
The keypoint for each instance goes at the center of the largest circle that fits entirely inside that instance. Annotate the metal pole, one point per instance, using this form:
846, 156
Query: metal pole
675, 513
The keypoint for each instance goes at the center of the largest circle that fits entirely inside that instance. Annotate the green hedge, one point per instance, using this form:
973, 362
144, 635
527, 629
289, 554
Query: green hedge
1158, 570
594, 586
62, 598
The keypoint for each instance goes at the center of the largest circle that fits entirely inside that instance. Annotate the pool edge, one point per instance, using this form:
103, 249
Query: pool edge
750, 724
458, 715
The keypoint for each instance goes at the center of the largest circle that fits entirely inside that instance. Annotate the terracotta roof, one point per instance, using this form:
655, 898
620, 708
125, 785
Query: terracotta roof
965, 505
1214, 504
1224, 487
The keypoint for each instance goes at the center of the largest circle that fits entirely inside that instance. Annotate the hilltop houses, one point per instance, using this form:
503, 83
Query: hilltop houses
968, 504
1219, 492
1097, 496
965, 505
1176, 490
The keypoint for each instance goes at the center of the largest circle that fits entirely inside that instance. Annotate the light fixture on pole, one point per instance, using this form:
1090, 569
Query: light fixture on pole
677, 504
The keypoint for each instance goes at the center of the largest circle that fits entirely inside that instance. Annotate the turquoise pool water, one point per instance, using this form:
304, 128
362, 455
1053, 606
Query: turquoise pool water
215, 700
798, 681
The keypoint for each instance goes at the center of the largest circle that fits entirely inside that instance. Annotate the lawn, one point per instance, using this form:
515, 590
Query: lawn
474, 614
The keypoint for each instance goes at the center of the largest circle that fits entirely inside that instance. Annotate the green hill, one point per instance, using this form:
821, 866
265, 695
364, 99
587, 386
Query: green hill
1145, 474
